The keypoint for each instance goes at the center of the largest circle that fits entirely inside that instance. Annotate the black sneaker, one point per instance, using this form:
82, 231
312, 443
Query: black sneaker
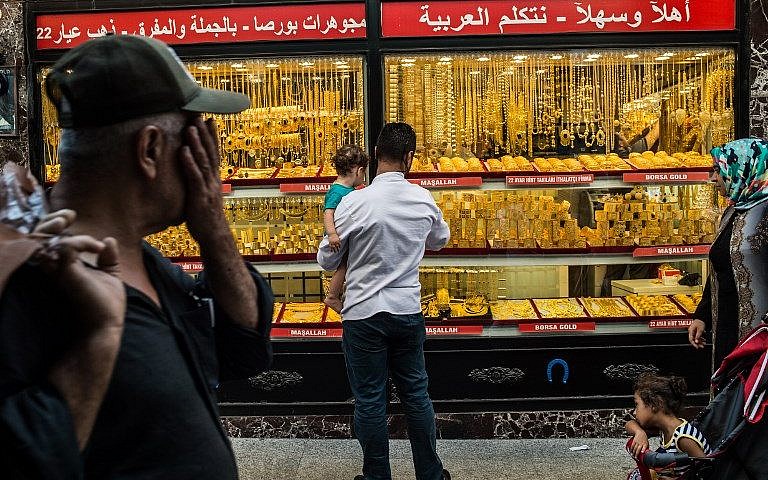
446, 475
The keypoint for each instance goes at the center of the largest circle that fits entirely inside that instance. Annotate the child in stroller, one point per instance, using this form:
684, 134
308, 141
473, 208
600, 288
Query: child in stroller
658, 402
734, 422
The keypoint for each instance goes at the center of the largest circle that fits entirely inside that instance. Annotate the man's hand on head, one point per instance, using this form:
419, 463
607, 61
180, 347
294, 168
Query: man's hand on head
200, 161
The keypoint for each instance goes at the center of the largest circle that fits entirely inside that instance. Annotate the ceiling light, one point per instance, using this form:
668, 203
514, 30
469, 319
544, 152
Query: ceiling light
237, 65
520, 57
407, 60
272, 65
590, 59
631, 55
445, 59
702, 54
205, 67
556, 57
669, 54
661, 58
306, 64
482, 59
594, 55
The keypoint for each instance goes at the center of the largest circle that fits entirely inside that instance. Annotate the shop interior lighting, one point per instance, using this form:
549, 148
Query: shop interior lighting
590, 59
702, 54
661, 58
594, 55
445, 59
272, 65
669, 54
520, 57
556, 57
483, 59
631, 55
237, 65
306, 64
205, 67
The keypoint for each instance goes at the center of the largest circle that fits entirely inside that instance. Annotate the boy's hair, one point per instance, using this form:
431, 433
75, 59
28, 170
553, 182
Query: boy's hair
395, 141
348, 157
666, 394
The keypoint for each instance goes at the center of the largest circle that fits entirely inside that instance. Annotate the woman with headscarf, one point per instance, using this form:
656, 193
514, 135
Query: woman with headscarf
735, 298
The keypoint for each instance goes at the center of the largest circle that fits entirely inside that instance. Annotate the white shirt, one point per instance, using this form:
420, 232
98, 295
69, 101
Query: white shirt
385, 227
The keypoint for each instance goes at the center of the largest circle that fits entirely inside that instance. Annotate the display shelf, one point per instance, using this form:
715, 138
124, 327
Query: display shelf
567, 327
303, 263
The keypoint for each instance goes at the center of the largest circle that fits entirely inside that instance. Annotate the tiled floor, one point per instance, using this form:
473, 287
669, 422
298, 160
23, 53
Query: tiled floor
466, 459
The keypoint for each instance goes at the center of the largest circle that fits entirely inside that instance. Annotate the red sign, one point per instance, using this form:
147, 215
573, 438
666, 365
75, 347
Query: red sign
457, 330
510, 17
190, 267
667, 250
448, 182
682, 324
324, 21
226, 188
557, 327
666, 177
306, 332
559, 179
305, 187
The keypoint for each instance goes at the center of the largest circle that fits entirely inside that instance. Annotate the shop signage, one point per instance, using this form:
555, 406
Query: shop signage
190, 267
668, 323
560, 179
447, 182
304, 187
456, 330
557, 327
635, 177
226, 188
319, 21
511, 17
306, 332
671, 250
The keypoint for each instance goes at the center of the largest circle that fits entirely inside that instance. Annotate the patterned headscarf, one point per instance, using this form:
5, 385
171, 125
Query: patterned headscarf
743, 164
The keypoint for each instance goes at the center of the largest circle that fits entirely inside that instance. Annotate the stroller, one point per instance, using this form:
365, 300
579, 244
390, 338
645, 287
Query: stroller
733, 422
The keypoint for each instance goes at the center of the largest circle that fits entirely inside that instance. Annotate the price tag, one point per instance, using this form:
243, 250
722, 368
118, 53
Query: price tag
306, 332
688, 177
557, 327
447, 182
456, 330
671, 250
559, 179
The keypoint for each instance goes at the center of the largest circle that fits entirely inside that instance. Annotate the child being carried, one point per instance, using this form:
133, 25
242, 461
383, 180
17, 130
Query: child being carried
351, 163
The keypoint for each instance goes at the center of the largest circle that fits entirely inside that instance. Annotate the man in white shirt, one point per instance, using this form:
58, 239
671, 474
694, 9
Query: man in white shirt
386, 227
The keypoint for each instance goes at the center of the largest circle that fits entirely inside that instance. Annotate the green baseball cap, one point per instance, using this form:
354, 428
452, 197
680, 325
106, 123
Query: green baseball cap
120, 77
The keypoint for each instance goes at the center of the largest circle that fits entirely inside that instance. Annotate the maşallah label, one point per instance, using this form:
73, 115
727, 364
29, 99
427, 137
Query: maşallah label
306, 332
671, 250
557, 327
447, 182
456, 330
305, 187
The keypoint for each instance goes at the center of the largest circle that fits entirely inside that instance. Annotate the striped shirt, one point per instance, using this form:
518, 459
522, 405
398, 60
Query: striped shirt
684, 430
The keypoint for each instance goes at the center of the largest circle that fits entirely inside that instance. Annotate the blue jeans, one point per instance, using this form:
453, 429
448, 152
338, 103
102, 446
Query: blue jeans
372, 348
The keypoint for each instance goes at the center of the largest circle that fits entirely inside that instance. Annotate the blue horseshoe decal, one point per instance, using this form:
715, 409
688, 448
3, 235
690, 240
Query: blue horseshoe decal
550, 367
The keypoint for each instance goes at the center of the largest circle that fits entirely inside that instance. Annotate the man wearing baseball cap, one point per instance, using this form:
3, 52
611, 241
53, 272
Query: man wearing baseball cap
136, 158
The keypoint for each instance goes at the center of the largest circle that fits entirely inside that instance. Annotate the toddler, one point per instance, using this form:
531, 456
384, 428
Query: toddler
658, 402
350, 162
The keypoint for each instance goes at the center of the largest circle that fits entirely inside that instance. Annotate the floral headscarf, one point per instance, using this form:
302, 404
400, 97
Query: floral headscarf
743, 164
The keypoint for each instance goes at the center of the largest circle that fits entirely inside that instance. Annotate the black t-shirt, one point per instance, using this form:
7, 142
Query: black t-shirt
159, 418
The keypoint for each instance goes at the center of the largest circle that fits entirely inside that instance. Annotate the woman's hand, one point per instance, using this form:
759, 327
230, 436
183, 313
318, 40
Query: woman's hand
696, 333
